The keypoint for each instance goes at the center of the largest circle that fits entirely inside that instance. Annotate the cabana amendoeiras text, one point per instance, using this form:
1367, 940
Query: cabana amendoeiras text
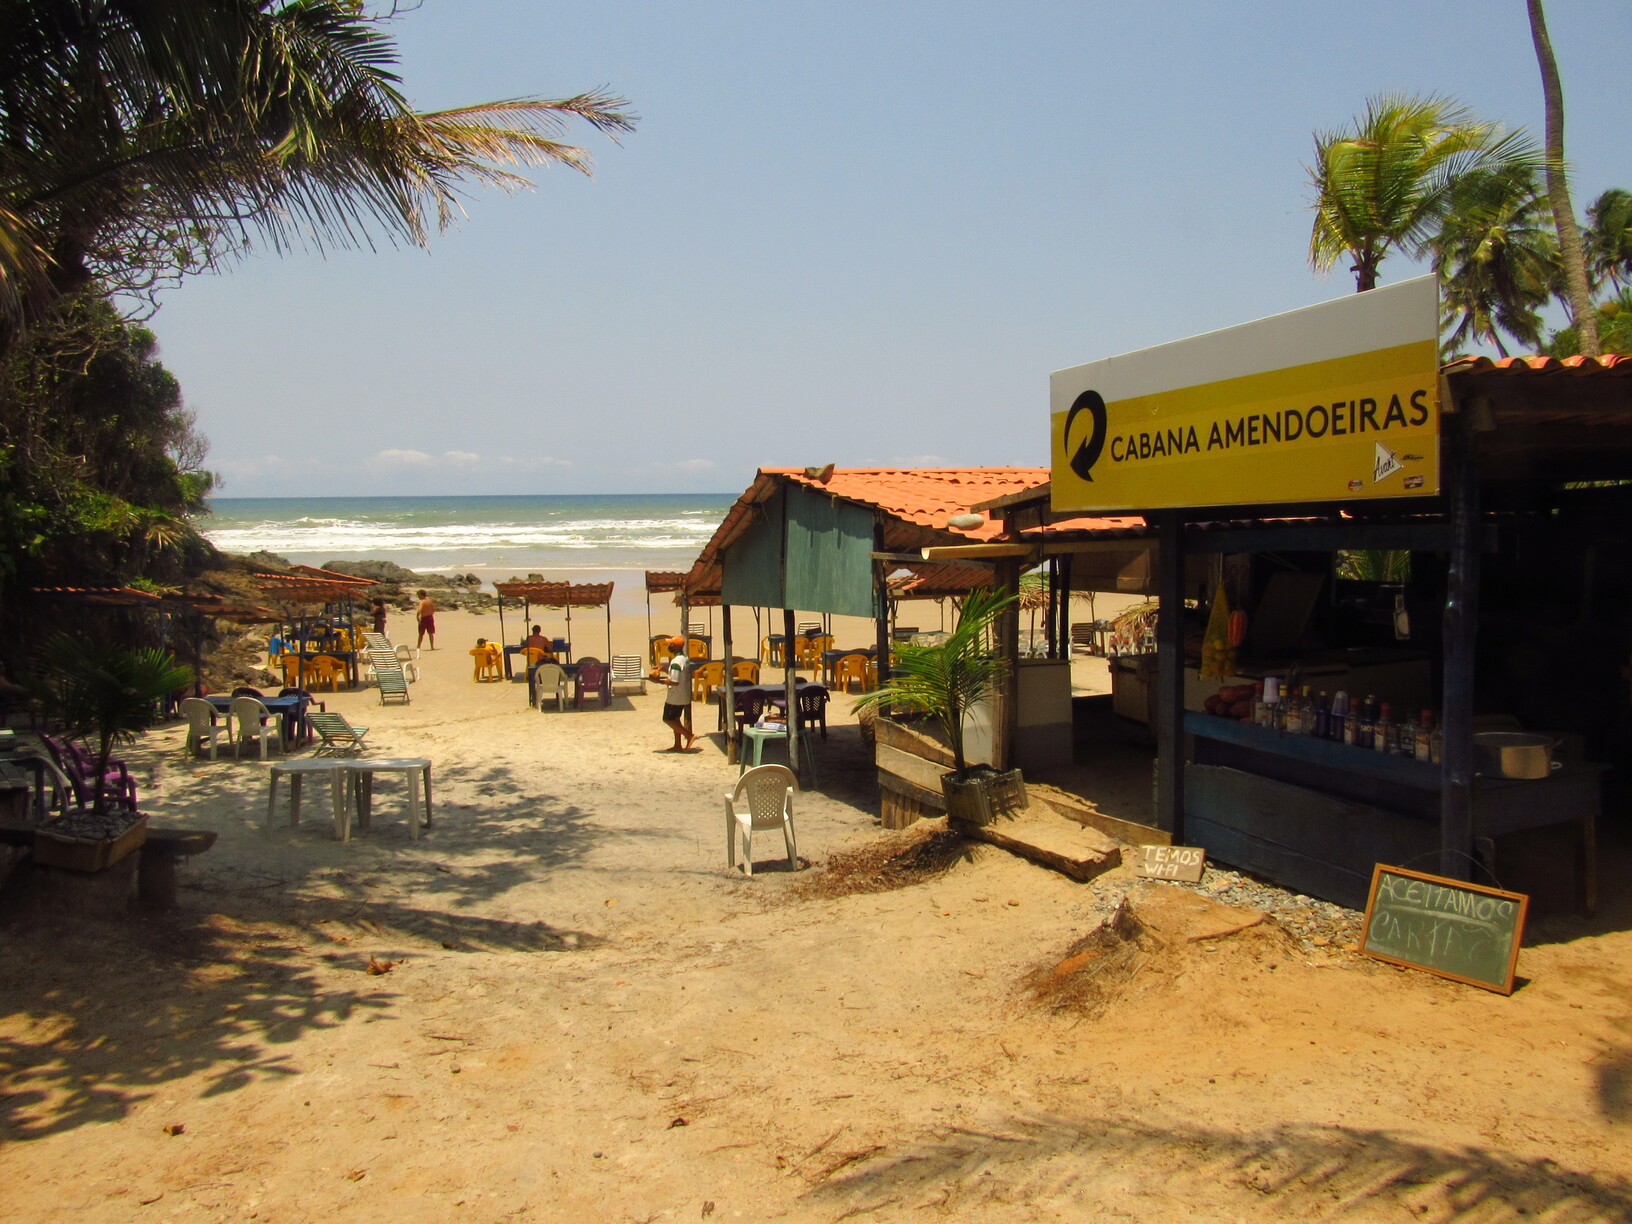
1341, 418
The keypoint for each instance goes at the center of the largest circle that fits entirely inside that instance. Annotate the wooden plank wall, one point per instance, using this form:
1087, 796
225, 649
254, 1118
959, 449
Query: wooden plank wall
1301, 839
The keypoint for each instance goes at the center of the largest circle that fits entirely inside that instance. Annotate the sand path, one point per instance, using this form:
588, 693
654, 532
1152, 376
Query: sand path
589, 1018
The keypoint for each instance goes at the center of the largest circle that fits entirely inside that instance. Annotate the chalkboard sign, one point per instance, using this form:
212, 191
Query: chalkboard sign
1462, 931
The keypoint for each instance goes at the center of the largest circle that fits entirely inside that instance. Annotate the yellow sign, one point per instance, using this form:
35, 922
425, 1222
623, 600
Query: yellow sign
1225, 419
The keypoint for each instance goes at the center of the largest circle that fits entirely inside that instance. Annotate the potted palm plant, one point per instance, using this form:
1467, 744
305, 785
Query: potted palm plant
104, 693
945, 681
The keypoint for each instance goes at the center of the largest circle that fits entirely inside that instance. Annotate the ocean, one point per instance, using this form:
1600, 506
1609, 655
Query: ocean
597, 537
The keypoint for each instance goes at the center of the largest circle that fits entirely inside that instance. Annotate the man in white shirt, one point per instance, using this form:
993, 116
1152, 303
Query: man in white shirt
677, 704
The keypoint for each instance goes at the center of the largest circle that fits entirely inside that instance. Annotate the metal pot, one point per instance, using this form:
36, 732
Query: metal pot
1514, 754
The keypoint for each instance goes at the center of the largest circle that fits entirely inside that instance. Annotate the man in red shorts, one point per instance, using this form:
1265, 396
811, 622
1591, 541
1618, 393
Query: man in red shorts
427, 619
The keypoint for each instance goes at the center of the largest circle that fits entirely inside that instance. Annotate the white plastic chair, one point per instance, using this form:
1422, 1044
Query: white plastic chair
202, 729
769, 791
408, 656
549, 680
254, 722
626, 669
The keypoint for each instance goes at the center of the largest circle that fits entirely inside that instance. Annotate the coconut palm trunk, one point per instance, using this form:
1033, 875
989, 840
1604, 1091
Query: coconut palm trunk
1570, 252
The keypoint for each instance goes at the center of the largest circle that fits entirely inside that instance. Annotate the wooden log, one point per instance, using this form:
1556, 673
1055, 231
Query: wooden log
1050, 840
1073, 807
911, 768
902, 804
898, 735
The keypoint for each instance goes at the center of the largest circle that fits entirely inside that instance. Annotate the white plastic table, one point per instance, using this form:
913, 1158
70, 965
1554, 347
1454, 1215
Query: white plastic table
297, 771
361, 775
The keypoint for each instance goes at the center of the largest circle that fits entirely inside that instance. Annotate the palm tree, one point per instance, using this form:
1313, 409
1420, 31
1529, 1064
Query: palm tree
1383, 185
948, 679
1614, 319
1496, 259
1609, 239
1578, 296
147, 138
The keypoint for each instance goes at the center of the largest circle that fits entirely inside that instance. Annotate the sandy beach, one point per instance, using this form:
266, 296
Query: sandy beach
578, 1013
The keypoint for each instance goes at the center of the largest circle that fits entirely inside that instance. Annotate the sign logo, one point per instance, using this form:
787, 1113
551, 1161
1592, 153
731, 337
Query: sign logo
1088, 450
1386, 463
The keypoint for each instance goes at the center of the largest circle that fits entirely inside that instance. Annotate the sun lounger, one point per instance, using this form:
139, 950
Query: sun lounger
340, 738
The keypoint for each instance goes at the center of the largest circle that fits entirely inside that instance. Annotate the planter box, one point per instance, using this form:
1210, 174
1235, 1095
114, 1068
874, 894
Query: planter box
87, 854
984, 795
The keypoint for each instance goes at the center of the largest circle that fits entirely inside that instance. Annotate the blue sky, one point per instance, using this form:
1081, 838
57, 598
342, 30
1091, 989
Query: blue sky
858, 233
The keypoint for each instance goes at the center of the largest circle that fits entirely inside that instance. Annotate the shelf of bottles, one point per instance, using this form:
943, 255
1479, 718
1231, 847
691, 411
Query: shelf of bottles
1329, 753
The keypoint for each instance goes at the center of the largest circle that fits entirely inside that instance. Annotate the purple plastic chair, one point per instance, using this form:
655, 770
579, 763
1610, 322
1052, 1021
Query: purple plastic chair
595, 677
79, 766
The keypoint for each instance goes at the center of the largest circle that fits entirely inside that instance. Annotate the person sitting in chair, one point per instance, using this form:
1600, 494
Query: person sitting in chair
483, 654
537, 641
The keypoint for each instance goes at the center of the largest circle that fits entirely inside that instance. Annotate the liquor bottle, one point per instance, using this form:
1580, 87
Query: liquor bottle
1272, 702
1337, 727
1422, 741
1258, 703
1298, 712
1383, 732
1323, 717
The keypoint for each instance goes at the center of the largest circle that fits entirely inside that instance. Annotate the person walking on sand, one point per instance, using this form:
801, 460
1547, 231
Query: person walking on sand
427, 619
677, 703
379, 616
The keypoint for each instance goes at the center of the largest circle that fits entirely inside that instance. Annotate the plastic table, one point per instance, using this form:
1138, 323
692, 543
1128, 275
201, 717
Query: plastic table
361, 773
759, 736
297, 771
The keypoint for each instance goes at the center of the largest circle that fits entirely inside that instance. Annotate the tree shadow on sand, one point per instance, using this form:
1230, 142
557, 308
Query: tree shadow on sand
96, 1016
1329, 1173
474, 852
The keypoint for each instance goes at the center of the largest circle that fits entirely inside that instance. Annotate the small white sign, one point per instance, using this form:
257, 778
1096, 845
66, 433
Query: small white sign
1385, 464
1183, 863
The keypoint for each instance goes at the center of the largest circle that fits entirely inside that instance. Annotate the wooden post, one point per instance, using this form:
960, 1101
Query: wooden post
1063, 633
791, 682
881, 602
1460, 630
609, 629
1170, 677
1006, 629
729, 708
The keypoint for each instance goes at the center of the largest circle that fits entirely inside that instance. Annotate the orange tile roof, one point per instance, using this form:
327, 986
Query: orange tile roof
925, 496
916, 503
1610, 363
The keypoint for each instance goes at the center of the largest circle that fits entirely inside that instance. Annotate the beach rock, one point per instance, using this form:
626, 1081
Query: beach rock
379, 571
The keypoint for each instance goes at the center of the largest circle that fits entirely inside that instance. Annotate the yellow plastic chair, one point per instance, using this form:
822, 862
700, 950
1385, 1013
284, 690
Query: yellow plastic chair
810, 651
488, 662
850, 669
706, 676
291, 669
697, 648
746, 670
661, 650
770, 652
327, 670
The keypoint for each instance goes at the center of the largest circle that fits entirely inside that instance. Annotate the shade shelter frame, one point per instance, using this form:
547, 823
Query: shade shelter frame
305, 587
564, 595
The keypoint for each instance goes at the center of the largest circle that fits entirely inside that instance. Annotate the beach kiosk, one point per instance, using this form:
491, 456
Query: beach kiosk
831, 540
1287, 463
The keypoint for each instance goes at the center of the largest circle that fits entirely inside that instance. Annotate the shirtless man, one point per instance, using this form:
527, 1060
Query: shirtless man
427, 619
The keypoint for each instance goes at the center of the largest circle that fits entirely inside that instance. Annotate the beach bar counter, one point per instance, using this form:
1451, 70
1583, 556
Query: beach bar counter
1450, 539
